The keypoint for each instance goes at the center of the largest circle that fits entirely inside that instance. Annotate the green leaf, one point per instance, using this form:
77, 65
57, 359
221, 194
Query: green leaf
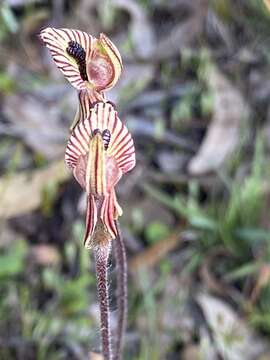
9, 19
12, 262
156, 231
242, 271
252, 235
203, 222
7, 84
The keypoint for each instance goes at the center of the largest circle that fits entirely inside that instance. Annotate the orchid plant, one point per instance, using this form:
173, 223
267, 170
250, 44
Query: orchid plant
100, 151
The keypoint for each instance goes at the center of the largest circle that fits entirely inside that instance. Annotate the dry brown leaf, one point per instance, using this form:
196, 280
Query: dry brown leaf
152, 255
141, 30
210, 279
218, 30
84, 16
223, 134
7, 235
267, 4
184, 34
191, 352
38, 119
134, 80
263, 279
44, 254
15, 3
231, 335
95, 356
22, 192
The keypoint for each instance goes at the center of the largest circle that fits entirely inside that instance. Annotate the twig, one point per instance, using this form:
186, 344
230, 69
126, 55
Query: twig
121, 270
153, 254
101, 257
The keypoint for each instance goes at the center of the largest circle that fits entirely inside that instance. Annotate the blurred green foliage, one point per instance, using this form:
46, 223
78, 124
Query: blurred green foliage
156, 231
63, 318
7, 84
8, 21
232, 222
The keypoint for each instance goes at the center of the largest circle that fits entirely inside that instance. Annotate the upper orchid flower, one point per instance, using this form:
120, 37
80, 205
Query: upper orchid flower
88, 63
100, 150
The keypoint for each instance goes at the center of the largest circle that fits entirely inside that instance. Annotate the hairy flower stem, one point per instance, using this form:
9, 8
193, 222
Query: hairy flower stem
121, 269
101, 257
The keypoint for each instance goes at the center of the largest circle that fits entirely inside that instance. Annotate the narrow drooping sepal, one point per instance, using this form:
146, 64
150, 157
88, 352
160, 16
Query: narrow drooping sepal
109, 213
100, 150
91, 220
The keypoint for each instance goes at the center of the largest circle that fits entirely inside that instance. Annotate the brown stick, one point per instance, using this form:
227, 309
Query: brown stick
101, 257
121, 269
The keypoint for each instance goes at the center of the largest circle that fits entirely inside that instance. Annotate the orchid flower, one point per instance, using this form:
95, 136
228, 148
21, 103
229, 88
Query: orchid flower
87, 63
99, 151
91, 65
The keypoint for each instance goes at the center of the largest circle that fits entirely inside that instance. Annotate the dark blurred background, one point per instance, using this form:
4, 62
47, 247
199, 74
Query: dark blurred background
195, 95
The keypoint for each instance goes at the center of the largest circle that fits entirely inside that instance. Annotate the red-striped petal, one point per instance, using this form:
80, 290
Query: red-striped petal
57, 41
109, 213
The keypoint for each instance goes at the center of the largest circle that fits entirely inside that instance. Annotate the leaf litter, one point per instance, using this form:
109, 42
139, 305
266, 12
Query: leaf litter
178, 144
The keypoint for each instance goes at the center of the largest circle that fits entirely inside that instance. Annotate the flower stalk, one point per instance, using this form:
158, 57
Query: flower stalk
101, 254
121, 291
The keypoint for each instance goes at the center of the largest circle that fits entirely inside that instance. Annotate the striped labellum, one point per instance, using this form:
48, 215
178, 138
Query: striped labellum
100, 150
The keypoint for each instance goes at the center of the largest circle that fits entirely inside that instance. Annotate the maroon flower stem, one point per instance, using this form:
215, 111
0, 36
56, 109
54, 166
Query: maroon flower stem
121, 269
101, 257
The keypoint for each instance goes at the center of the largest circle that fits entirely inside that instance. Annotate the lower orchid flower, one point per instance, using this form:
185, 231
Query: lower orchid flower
100, 150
